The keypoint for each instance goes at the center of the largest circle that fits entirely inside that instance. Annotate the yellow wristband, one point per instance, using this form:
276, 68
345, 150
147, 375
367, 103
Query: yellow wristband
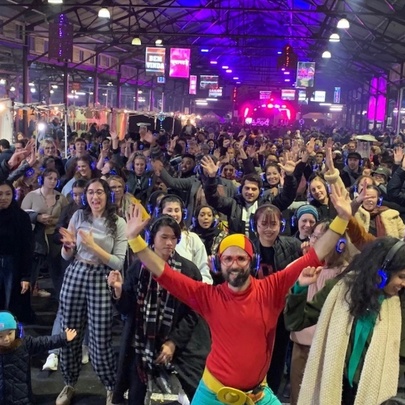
339, 225
137, 244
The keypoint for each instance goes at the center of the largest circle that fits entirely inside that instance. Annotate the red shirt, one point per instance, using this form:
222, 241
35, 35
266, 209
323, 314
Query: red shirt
242, 324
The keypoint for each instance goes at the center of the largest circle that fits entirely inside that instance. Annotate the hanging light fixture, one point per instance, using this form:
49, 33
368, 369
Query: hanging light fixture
159, 42
343, 24
136, 41
326, 55
104, 13
334, 38
55, 1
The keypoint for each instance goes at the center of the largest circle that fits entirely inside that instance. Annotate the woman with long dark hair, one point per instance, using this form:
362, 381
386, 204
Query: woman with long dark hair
16, 251
95, 240
359, 339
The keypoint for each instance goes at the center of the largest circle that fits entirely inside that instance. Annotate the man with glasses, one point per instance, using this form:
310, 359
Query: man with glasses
242, 313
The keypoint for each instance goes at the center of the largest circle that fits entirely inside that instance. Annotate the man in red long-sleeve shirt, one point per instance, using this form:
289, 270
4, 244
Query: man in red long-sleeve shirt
241, 313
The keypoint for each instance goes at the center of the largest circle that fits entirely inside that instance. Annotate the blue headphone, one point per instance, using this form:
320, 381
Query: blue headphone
194, 219
381, 272
20, 329
151, 232
41, 181
159, 208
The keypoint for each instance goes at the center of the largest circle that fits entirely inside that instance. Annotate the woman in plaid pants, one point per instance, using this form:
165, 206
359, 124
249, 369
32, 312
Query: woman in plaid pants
96, 241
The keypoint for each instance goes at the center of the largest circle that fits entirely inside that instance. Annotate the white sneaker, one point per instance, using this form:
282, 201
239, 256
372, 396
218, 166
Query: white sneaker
65, 395
85, 354
51, 363
43, 293
109, 398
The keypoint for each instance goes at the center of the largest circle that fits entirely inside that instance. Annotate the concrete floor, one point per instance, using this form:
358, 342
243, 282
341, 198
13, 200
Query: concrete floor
46, 385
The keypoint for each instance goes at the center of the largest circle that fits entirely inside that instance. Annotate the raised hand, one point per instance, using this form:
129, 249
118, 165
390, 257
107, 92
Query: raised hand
308, 276
113, 135
135, 223
398, 155
289, 165
310, 146
341, 201
25, 286
209, 166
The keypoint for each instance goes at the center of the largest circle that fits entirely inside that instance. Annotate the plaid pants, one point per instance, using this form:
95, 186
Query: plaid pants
85, 299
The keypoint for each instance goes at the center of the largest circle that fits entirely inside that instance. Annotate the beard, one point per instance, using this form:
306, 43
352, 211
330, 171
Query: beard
236, 280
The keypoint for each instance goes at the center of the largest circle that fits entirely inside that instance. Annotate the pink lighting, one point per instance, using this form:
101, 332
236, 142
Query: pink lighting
246, 113
214, 62
270, 105
287, 80
286, 73
228, 70
225, 67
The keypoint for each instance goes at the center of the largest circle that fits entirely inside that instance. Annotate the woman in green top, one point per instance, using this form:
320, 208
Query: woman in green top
360, 334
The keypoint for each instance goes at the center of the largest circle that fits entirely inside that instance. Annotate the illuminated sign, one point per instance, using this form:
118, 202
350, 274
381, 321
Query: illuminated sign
192, 88
155, 60
208, 82
305, 74
179, 63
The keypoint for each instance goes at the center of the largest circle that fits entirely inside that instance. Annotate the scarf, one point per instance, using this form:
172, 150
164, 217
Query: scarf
375, 214
154, 319
322, 382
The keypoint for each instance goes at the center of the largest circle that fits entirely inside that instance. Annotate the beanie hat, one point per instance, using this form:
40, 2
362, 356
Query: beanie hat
239, 240
307, 209
7, 321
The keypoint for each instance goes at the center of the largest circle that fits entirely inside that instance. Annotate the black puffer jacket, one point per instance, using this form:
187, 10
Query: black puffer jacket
15, 367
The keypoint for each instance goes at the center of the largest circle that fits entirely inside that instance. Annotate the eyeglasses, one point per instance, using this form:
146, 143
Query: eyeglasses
315, 237
99, 193
229, 260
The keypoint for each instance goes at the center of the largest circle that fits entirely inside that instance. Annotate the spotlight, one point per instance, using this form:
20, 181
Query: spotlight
334, 38
343, 24
326, 55
136, 41
104, 13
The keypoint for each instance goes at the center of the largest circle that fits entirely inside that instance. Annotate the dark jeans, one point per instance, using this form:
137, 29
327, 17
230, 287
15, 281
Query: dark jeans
7, 275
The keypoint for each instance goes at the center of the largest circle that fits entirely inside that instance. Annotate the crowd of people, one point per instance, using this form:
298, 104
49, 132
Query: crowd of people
234, 259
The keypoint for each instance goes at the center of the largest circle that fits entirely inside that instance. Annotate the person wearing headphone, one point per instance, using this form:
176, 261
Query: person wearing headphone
180, 343
352, 169
190, 246
378, 219
242, 312
191, 187
276, 253
15, 353
95, 243
359, 342
85, 169
240, 209
335, 262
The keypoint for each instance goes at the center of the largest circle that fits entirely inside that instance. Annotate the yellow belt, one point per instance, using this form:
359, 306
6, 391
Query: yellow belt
229, 395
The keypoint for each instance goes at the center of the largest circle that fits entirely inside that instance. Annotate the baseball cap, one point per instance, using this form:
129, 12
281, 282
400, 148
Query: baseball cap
382, 170
354, 155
